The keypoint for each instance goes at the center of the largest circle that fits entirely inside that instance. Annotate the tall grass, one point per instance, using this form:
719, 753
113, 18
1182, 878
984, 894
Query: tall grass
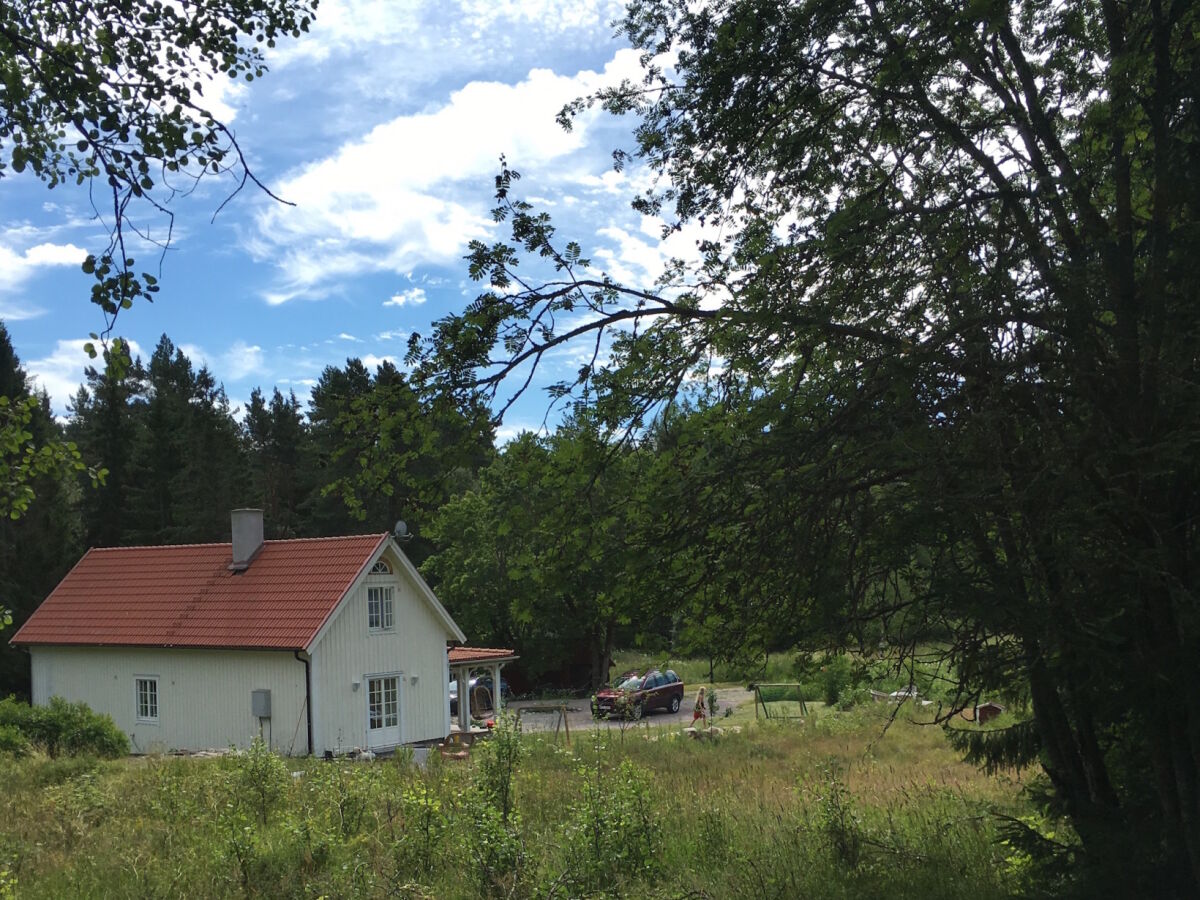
832, 808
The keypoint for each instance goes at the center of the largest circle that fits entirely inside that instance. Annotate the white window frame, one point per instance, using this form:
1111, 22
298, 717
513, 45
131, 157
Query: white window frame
381, 609
381, 568
382, 680
152, 701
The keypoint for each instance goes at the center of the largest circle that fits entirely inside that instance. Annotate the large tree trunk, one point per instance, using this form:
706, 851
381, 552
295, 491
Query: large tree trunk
602, 651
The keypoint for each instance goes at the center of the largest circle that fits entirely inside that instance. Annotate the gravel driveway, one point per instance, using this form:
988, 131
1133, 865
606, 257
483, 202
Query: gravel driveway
579, 715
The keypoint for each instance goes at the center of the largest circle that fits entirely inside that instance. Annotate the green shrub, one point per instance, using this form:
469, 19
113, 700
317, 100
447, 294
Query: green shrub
852, 696
260, 780
8, 883
837, 822
492, 844
497, 759
64, 728
424, 819
340, 793
48, 772
614, 835
12, 742
836, 675
14, 713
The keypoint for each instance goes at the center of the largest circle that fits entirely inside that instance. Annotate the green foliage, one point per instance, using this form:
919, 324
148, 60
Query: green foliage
940, 340
63, 728
62, 769
23, 460
837, 822
340, 796
538, 554
493, 845
425, 811
835, 677
615, 833
260, 780
496, 761
1013, 746
13, 741
382, 449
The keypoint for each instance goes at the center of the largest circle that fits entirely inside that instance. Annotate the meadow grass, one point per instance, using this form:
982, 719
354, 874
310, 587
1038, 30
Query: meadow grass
835, 807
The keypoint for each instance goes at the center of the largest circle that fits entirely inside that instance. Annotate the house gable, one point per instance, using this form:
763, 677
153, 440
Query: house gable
390, 551
352, 648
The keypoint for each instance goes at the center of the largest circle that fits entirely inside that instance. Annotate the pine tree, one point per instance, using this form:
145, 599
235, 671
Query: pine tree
37, 548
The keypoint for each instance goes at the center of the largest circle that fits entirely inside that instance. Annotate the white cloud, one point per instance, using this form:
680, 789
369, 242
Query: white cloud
349, 337
55, 255
412, 297
509, 431
412, 191
241, 360
430, 30
393, 334
236, 363
371, 361
641, 257
18, 310
18, 266
558, 15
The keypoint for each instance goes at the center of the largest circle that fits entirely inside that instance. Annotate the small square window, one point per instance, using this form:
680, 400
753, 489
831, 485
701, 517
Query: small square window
145, 691
380, 609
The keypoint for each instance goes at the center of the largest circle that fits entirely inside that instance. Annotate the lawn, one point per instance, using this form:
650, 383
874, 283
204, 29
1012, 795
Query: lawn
835, 807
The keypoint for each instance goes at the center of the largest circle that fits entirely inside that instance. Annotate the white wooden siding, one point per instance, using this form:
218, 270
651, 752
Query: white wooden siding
203, 695
347, 653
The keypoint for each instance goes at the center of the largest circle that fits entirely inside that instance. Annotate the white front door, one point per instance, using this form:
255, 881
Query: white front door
383, 711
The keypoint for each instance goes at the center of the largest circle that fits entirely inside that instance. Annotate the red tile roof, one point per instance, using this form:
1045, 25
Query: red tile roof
460, 655
185, 595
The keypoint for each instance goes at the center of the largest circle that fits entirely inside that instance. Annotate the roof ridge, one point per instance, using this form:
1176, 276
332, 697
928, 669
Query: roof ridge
332, 537
158, 546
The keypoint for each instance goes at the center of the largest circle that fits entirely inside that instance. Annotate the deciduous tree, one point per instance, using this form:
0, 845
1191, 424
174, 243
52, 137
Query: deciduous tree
951, 272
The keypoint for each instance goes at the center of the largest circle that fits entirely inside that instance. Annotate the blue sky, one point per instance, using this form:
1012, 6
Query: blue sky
384, 125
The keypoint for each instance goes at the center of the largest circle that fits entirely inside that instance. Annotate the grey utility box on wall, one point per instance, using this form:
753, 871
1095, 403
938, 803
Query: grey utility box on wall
260, 703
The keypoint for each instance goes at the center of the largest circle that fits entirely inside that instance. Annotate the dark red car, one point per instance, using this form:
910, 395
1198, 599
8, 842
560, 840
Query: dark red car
634, 694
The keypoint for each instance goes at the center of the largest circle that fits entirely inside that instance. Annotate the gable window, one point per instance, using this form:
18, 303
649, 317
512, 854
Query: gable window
380, 568
379, 609
145, 693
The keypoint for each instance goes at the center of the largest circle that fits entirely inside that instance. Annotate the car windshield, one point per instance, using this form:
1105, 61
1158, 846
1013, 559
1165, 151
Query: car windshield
630, 684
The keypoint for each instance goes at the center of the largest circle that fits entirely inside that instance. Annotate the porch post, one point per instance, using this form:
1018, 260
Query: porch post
464, 699
497, 694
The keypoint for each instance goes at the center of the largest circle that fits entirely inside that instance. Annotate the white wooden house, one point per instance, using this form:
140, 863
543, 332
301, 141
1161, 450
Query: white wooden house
317, 645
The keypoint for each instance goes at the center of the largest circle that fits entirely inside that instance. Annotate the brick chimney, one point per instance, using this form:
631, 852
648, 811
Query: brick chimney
247, 537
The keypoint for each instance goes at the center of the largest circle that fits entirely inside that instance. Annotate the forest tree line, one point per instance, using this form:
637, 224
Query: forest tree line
555, 544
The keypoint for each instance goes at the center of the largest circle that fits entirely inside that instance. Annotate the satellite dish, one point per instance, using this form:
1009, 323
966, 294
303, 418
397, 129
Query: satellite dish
401, 530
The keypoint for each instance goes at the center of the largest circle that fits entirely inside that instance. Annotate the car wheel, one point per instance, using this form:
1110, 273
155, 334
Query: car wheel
636, 712
674, 704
